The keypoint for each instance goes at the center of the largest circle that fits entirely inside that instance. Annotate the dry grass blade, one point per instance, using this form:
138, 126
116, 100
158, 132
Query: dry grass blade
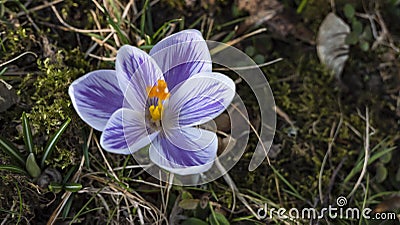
71, 28
133, 197
237, 40
65, 196
235, 190
40, 7
19, 56
255, 132
4, 222
249, 67
366, 154
102, 58
137, 15
284, 115
333, 136
105, 159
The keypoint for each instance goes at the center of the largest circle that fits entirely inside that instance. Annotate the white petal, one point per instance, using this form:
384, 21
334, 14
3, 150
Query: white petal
96, 96
167, 155
181, 56
199, 99
136, 71
126, 132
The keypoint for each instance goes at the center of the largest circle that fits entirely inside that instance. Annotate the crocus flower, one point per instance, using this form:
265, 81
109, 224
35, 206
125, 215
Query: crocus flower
159, 99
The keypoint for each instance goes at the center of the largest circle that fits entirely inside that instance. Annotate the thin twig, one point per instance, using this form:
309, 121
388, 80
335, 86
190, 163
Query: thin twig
330, 145
8, 214
255, 132
132, 167
74, 28
235, 190
105, 159
249, 67
284, 115
142, 11
66, 195
19, 56
107, 59
235, 41
40, 7
366, 154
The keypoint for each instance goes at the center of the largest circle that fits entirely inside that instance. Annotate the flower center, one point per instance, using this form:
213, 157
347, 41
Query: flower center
160, 92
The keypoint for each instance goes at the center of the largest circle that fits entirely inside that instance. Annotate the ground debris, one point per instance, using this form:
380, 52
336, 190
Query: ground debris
8, 96
278, 19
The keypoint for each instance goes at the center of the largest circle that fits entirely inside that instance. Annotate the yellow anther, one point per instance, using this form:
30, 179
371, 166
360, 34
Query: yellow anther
162, 84
155, 112
159, 91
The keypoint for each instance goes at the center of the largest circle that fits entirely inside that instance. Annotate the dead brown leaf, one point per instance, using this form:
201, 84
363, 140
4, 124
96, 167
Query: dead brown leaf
278, 19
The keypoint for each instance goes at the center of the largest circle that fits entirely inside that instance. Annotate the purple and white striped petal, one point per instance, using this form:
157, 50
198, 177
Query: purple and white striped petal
136, 71
199, 99
126, 132
182, 55
96, 96
198, 159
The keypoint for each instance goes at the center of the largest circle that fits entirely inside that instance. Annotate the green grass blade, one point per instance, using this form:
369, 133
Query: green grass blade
53, 141
149, 20
14, 169
85, 146
72, 187
116, 26
68, 175
86, 155
160, 33
372, 159
55, 187
67, 206
196, 22
146, 47
301, 7
143, 18
3, 71
26, 128
11, 150
81, 211
294, 191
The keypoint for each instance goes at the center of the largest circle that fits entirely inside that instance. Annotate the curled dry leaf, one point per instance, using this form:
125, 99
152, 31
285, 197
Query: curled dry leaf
8, 97
331, 47
48, 176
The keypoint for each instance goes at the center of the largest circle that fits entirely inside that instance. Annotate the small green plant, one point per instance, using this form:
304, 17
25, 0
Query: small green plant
252, 52
359, 34
202, 209
29, 165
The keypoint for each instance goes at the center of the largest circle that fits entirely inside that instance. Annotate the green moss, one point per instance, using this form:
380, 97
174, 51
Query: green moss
15, 40
51, 103
47, 93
